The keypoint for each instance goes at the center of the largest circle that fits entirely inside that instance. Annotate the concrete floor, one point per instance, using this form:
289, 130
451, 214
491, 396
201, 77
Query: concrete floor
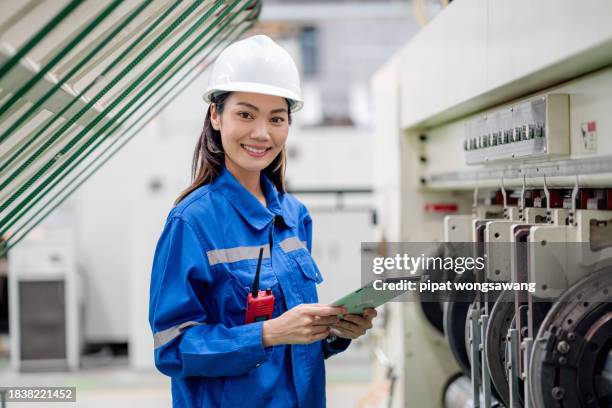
114, 384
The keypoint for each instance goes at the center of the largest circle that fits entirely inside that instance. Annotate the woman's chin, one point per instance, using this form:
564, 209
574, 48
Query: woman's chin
250, 164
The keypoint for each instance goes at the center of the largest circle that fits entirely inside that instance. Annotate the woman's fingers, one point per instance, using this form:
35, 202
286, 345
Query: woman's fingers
319, 330
334, 331
317, 309
316, 321
320, 335
316, 333
370, 313
348, 328
359, 321
325, 320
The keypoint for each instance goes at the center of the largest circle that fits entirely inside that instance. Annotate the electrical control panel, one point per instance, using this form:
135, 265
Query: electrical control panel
531, 129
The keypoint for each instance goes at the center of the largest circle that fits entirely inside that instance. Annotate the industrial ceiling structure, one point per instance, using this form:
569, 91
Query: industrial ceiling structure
80, 78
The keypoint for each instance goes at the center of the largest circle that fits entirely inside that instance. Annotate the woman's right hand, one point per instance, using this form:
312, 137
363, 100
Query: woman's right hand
304, 324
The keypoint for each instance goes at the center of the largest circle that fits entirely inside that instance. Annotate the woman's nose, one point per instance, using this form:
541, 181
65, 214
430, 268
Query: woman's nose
260, 131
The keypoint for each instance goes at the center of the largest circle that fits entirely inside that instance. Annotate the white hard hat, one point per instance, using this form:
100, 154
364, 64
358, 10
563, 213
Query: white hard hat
256, 64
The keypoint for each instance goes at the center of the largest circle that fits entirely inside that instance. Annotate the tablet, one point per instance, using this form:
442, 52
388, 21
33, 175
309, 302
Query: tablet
368, 297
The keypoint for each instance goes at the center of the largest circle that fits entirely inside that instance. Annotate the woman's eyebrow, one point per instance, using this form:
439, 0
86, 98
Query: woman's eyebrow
256, 109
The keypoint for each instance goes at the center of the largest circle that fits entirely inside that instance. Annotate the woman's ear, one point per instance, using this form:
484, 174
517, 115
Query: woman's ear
214, 117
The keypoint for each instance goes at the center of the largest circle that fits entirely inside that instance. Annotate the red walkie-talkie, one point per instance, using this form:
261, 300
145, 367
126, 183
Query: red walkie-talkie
260, 303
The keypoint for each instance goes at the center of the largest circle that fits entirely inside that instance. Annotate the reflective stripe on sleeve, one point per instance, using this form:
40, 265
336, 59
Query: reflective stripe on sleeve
165, 336
292, 244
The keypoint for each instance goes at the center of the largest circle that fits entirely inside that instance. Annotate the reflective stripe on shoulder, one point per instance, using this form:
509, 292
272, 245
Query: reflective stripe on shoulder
165, 336
228, 255
292, 244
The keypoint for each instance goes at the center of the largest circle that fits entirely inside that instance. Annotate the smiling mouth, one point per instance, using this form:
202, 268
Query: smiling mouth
255, 150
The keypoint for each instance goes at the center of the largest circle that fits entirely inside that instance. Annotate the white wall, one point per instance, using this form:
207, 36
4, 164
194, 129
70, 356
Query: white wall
329, 158
479, 53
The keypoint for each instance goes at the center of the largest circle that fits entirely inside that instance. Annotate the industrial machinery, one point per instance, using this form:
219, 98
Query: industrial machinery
501, 114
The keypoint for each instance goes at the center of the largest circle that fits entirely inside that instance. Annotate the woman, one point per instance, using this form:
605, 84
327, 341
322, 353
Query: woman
207, 255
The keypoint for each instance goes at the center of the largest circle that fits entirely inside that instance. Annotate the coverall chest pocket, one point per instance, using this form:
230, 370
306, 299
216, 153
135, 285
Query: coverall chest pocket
236, 281
244, 273
309, 278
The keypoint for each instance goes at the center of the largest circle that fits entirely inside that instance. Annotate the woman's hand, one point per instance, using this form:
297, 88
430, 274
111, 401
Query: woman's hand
353, 326
305, 323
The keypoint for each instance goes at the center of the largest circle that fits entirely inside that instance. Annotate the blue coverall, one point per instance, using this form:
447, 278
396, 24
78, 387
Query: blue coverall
203, 269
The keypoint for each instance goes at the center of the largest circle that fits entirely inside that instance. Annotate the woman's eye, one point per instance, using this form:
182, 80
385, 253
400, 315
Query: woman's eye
244, 115
278, 120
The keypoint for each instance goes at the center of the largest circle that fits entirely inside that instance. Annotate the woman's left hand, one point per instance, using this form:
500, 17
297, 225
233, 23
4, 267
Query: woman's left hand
353, 326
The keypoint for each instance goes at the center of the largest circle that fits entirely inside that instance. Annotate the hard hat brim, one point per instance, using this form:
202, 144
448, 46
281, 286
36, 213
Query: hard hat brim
296, 101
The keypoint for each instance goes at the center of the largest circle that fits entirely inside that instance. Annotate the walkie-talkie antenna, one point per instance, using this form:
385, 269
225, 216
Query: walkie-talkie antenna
255, 288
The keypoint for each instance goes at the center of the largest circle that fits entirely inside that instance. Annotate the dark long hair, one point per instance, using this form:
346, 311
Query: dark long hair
209, 157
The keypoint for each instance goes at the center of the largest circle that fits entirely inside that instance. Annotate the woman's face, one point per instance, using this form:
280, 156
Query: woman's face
254, 128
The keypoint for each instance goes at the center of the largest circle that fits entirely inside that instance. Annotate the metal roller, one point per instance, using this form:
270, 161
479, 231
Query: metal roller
458, 393
571, 359
500, 319
455, 317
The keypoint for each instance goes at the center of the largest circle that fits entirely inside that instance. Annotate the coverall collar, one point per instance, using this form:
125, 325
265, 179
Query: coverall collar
249, 207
